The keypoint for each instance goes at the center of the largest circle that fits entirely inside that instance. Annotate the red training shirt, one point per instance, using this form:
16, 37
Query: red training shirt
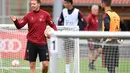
37, 22
92, 21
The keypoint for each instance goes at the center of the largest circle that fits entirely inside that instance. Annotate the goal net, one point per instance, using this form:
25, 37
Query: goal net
13, 46
114, 55
12, 49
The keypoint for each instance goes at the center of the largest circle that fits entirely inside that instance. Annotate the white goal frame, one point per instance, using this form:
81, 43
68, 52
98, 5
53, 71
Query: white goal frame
78, 34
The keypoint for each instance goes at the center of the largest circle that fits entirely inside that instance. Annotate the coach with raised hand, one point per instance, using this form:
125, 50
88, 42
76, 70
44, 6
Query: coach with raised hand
37, 21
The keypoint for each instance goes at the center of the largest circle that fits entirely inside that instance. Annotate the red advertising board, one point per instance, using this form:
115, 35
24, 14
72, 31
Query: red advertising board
12, 43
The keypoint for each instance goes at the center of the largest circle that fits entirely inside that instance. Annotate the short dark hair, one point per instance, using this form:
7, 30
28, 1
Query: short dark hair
69, 1
107, 2
38, 1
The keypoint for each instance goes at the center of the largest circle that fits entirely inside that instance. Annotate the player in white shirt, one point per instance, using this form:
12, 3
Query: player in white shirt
71, 16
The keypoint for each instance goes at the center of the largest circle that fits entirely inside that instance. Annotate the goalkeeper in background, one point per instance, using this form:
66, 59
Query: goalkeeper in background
111, 23
71, 16
37, 21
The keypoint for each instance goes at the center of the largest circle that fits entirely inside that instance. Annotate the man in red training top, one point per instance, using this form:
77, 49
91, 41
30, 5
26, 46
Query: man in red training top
37, 21
92, 20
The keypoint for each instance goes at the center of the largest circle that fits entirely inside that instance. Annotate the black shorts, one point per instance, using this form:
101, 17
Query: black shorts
111, 54
32, 50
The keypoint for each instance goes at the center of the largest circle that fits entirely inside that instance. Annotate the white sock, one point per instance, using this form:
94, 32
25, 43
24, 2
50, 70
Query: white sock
67, 69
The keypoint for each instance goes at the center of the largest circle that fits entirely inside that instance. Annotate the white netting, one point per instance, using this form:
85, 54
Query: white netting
114, 53
67, 52
12, 47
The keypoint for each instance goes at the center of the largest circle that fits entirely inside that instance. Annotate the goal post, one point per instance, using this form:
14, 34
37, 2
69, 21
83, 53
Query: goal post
65, 50
54, 56
54, 53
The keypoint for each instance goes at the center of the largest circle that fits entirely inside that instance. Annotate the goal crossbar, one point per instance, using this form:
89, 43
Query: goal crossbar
91, 34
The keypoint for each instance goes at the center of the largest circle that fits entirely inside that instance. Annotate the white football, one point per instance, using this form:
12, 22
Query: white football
15, 63
47, 31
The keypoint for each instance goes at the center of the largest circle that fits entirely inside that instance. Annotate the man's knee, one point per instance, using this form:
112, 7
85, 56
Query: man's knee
45, 64
32, 65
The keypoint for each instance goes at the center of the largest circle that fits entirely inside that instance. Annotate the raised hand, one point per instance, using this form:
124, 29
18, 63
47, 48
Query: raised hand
13, 18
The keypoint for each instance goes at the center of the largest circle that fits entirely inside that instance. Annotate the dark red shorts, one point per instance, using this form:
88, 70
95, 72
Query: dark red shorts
95, 44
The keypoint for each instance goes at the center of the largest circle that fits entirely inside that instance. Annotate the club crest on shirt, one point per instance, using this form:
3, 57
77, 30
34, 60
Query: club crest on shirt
41, 18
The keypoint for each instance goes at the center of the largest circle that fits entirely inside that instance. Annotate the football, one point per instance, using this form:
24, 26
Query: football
47, 31
15, 63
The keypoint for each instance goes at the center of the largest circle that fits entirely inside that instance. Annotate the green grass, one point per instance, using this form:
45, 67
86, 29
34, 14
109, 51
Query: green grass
124, 65
8, 68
